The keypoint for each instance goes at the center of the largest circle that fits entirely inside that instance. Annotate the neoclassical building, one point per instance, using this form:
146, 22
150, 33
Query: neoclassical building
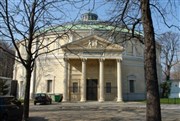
93, 61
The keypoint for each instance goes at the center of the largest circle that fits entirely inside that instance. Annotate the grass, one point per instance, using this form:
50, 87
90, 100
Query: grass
165, 101
170, 100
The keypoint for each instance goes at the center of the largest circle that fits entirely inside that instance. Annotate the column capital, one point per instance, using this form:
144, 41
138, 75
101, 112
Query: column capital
101, 59
119, 59
83, 59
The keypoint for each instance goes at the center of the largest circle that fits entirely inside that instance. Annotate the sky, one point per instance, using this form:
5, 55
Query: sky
102, 10
73, 10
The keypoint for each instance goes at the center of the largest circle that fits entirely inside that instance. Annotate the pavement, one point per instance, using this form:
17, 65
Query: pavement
96, 111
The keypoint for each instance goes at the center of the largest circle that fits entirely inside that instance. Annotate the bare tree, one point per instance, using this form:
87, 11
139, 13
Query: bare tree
137, 16
169, 50
169, 58
153, 110
25, 23
176, 72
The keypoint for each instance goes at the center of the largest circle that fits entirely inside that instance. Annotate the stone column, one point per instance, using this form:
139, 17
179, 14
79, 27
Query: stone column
101, 80
119, 82
33, 82
32, 86
83, 81
65, 81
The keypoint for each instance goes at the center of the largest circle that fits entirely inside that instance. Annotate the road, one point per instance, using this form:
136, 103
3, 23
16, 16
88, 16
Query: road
95, 111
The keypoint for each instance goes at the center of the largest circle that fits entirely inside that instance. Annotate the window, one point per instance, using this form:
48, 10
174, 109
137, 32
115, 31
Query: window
131, 86
49, 85
75, 87
108, 87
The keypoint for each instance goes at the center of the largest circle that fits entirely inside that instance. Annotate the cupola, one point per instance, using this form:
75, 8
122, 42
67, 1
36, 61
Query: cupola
89, 16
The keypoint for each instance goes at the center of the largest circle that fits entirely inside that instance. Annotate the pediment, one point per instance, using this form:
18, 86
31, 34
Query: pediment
92, 43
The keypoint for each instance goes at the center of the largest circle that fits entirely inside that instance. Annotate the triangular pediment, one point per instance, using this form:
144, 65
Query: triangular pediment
92, 42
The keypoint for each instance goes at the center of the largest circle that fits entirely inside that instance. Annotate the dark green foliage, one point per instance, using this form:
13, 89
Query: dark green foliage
4, 88
166, 88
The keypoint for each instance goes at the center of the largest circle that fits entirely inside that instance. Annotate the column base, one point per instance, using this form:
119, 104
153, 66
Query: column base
82, 100
64, 101
119, 100
101, 100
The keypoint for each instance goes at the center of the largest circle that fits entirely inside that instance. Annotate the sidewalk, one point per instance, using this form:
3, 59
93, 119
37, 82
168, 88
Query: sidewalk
95, 111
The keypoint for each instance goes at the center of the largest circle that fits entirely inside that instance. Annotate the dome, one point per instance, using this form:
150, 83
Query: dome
89, 16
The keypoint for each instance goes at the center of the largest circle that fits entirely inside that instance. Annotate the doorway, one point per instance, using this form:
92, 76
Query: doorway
91, 91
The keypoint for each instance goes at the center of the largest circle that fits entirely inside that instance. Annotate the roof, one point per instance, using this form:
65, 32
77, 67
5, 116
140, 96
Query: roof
90, 25
90, 22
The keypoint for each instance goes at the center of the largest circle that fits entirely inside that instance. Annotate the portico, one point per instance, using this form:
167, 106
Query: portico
96, 60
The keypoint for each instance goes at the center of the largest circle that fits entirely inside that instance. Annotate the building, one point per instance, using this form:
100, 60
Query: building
95, 61
175, 89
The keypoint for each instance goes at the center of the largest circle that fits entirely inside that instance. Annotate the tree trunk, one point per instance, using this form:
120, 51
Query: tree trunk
153, 112
26, 98
168, 73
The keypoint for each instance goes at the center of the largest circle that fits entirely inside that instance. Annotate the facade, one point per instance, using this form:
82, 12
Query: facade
94, 62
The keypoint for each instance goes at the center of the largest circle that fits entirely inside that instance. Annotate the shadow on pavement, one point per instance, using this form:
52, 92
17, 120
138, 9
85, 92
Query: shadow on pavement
37, 119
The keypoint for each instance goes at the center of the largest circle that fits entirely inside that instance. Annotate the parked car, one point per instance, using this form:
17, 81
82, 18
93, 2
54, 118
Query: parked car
10, 109
42, 98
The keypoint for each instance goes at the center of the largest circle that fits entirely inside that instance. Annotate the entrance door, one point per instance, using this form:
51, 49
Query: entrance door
91, 91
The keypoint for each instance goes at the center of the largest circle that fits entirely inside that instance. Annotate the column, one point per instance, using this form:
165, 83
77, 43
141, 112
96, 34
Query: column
83, 81
65, 80
33, 82
101, 80
119, 82
32, 86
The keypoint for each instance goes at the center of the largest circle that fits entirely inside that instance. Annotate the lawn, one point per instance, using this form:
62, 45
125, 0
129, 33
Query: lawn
166, 101
170, 100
